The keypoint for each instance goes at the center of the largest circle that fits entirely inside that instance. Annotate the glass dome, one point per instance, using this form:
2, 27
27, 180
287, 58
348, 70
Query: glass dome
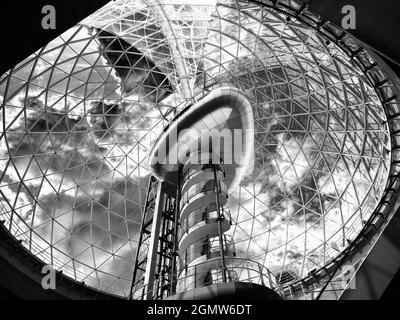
80, 116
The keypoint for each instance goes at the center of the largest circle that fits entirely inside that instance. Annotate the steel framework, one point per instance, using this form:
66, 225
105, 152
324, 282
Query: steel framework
80, 115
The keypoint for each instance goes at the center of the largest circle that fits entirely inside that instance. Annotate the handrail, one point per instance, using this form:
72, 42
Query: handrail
198, 189
210, 247
203, 215
238, 270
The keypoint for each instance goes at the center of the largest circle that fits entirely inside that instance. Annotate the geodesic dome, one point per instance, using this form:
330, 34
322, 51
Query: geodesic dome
80, 116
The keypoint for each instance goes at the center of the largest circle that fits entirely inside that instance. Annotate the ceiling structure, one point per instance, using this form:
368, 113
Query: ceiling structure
80, 116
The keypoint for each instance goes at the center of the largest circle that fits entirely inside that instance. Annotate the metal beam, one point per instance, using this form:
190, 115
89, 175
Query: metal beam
151, 263
380, 266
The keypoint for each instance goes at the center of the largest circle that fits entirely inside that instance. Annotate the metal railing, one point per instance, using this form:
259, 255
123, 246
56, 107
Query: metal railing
201, 275
201, 168
201, 215
201, 188
209, 248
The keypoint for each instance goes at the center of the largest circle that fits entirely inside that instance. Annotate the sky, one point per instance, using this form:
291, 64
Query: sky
81, 118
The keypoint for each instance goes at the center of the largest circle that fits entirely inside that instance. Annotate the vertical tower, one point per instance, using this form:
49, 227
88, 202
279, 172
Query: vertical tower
204, 249
204, 152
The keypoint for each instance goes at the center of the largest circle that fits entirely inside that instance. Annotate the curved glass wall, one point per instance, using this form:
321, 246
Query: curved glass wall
79, 116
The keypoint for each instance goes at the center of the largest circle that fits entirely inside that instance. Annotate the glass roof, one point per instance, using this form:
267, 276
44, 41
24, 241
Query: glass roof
80, 116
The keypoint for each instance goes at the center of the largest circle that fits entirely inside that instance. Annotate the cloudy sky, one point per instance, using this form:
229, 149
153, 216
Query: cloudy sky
81, 116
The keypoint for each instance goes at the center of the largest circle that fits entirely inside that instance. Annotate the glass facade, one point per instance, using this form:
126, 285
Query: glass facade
80, 116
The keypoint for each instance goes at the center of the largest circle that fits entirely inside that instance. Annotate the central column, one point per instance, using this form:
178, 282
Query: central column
203, 246
204, 260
